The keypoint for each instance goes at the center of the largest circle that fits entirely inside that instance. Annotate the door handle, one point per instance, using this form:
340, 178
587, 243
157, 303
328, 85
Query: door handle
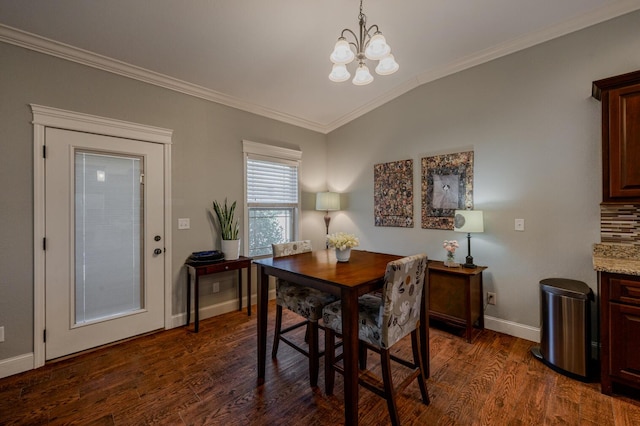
157, 251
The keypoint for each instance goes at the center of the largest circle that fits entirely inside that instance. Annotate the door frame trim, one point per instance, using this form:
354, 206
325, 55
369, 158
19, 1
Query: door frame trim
44, 117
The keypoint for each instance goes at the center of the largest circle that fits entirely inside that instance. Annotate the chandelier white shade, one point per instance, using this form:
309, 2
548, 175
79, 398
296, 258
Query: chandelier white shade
363, 76
367, 46
339, 73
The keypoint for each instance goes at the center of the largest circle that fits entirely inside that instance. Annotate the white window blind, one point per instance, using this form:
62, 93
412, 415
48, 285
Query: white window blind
271, 182
272, 194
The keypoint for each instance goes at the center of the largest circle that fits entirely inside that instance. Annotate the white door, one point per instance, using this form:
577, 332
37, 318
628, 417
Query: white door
104, 257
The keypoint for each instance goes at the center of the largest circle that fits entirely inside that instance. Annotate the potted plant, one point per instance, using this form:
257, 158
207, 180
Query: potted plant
229, 229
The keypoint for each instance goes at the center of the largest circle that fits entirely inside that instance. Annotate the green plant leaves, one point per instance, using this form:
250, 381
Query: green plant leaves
229, 228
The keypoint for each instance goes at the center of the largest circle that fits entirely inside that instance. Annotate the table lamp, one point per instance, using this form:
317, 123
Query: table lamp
327, 201
468, 221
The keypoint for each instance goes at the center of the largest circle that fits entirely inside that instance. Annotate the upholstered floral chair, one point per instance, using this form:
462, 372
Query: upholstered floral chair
384, 320
304, 301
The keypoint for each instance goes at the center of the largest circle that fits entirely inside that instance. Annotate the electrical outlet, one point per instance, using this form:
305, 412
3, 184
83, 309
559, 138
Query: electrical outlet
491, 298
184, 223
2, 334
216, 287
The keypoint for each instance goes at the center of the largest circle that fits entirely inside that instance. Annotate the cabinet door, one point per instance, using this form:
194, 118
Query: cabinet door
624, 345
447, 295
623, 144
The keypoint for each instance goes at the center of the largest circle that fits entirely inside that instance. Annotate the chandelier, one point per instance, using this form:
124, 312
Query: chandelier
367, 46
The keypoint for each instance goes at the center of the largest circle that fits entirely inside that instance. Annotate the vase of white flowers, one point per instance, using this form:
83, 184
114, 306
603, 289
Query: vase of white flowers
450, 247
343, 243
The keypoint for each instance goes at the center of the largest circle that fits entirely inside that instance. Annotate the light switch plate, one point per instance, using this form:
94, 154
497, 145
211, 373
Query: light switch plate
184, 223
519, 226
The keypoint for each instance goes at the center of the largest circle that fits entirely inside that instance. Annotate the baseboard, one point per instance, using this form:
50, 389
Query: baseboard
512, 328
15, 365
180, 320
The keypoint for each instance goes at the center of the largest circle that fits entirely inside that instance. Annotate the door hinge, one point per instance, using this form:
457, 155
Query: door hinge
44, 243
44, 336
142, 178
44, 151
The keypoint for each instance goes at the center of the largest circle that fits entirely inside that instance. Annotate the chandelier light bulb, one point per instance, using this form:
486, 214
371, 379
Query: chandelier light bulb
363, 76
377, 48
342, 53
387, 65
339, 73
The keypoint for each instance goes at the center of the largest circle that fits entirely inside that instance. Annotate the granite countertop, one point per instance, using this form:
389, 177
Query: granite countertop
616, 258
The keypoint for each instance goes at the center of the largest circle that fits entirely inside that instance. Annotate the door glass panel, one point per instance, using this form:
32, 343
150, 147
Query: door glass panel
108, 236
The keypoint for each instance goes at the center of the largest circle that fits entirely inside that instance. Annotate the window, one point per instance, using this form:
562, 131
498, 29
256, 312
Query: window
272, 196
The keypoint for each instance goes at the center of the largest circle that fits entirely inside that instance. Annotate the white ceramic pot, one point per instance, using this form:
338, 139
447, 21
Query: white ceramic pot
231, 249
343, 255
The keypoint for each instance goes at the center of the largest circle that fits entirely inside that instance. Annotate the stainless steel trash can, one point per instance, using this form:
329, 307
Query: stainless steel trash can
565, 315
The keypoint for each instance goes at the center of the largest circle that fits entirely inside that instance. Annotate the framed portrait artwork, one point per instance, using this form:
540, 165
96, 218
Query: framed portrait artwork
447, 185
393, 194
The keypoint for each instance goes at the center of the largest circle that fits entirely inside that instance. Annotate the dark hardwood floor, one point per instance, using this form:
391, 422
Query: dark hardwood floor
178, 377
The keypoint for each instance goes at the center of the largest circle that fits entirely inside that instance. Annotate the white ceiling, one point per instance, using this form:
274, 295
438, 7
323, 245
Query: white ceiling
271, 57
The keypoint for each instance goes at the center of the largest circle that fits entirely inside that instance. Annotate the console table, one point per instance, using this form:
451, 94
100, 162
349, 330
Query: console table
455, 296
197, 269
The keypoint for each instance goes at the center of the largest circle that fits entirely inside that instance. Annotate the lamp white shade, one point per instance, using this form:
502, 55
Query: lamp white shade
468, 221
327, 201
387, 65
342, 53
363, 76
339, 73
377, 47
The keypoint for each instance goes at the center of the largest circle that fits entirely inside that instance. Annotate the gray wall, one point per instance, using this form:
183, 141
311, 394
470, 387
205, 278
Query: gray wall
535, 131
206, 165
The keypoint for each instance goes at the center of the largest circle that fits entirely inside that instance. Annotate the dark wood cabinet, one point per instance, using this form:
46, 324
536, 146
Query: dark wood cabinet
455, 296
620, 98
619, 330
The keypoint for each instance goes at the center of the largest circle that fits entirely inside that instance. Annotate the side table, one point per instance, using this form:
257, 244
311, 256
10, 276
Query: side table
198, 269
455, 296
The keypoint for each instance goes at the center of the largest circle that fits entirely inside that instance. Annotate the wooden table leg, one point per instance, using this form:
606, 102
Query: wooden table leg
263, 293
188, 296
249, 289
196, 296
350, 351
240, 289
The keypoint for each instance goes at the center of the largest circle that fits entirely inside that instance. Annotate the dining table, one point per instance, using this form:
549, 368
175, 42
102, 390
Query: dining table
363, 273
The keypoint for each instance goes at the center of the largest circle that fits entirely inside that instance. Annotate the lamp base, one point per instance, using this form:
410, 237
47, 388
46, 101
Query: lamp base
327, 219
469, 263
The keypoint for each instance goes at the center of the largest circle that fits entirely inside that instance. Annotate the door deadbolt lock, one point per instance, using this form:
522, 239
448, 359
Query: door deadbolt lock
157, 238
157, 251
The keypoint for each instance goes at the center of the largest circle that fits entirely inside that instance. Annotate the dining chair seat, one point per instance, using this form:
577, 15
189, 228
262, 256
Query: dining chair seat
304, 301
384, 320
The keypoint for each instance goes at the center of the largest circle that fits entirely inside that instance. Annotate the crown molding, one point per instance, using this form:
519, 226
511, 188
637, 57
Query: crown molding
47, 46
61, 50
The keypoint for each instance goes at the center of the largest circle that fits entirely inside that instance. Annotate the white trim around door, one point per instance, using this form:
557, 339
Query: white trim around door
44, 117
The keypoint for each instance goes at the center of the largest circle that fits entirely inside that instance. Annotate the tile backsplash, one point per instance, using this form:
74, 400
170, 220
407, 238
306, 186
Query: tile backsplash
620, 223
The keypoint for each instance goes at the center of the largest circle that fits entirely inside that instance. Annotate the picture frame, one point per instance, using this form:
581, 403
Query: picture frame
393, 194
447, 185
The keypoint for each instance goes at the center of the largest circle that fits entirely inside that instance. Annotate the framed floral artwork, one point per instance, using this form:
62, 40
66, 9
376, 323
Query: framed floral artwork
393, 194
447, 185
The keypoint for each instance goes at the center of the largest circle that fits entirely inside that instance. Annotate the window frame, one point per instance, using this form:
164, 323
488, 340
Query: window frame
275, 154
